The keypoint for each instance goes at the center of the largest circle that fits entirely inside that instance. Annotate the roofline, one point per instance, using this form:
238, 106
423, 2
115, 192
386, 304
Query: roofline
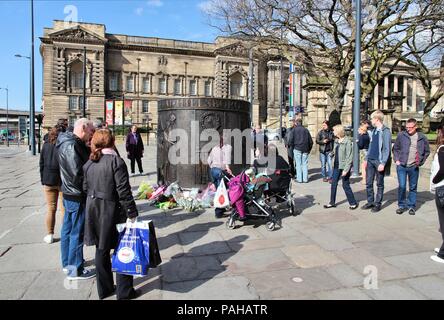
181, 40
73, 22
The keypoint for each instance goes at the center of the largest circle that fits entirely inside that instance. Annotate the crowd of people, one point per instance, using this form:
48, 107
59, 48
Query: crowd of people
83, 174
81, 167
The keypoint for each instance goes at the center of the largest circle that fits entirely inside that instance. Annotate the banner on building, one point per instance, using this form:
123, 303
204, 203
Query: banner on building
128, 109
118, 112
109, 112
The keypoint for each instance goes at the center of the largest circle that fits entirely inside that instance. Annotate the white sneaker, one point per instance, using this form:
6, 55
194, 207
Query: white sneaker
436, 250
86, 274
437, 259
49, 238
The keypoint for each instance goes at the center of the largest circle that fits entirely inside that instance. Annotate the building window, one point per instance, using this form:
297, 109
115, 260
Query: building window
73, 103
113, 82
193, 87
146, 85
420, 103
76, 80
145, 106
236, 87
81, 103
208, 88
130, 84
162, 86
177, 87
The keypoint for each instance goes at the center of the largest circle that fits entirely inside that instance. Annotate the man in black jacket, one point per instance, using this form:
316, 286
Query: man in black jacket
300, 142
325, 140
73, 151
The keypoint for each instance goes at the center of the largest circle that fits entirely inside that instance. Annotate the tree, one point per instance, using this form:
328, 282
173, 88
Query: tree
319, 35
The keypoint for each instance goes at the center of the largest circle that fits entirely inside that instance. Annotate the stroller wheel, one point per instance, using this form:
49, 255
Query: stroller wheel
271, 225
230, 224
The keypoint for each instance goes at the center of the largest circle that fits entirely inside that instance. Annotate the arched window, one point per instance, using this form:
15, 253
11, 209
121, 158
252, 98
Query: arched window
76, 75
236, 85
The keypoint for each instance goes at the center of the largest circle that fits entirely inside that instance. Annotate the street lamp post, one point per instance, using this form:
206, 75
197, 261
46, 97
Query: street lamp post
30, 103
357, 100
32, 119
7, 115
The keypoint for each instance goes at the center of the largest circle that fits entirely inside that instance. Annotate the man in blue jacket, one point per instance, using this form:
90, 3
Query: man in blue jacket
410, 151
377, 157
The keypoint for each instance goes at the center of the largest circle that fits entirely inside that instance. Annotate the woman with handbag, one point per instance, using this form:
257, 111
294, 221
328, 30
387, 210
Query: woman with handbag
437, 186
109, 202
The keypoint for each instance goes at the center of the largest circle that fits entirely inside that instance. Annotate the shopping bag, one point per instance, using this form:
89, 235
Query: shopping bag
133, 252
221, 197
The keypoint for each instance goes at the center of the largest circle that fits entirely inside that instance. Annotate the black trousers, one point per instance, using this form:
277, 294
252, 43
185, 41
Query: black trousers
105, 281
139, 164
292, 169
441, 225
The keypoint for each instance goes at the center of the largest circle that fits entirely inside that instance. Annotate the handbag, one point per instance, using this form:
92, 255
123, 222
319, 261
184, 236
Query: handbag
221, 199
137, 249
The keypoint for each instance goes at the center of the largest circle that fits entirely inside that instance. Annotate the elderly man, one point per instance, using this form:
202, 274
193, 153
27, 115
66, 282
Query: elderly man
73, 151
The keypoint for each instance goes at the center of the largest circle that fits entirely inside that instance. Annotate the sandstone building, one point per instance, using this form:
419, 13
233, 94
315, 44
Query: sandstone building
142, 70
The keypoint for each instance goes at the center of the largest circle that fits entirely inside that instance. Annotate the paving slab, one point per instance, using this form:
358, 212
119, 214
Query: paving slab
416, 264
346, 275
431, 287
360, 259
387, 248
239, 288
256, 261
280, 283
309, 256
327, 240
394, 290
14, 285
53, 285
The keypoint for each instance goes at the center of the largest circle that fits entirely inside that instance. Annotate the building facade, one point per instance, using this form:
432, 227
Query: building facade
143, 70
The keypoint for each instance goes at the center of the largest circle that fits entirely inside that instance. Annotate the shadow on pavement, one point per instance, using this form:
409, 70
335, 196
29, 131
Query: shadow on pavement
183, 274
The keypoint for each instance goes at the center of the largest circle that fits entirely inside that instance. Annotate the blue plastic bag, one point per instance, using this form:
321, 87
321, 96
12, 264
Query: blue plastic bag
132, 256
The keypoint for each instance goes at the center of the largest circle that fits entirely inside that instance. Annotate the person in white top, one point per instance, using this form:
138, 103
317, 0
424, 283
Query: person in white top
219, 160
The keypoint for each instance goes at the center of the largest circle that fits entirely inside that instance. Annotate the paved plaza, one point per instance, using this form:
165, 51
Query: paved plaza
319, 254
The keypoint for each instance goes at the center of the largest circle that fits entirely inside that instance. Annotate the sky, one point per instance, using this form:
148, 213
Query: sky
173, 19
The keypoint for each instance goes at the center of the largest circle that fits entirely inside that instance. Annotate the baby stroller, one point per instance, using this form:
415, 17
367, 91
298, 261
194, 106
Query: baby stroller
256, 199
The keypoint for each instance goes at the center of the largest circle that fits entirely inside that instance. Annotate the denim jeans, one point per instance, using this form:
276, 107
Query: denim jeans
412, 173
72, 236
301, 164
326, 168
372, 171
216, 176
337, 175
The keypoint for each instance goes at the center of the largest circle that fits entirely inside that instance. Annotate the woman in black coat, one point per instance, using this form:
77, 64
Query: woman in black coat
134, 149
109, 202
50, 179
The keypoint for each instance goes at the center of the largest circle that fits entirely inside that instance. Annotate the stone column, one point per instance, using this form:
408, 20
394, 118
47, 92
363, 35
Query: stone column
395, 83
376, 97
386, 92
414, 92
405, 82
